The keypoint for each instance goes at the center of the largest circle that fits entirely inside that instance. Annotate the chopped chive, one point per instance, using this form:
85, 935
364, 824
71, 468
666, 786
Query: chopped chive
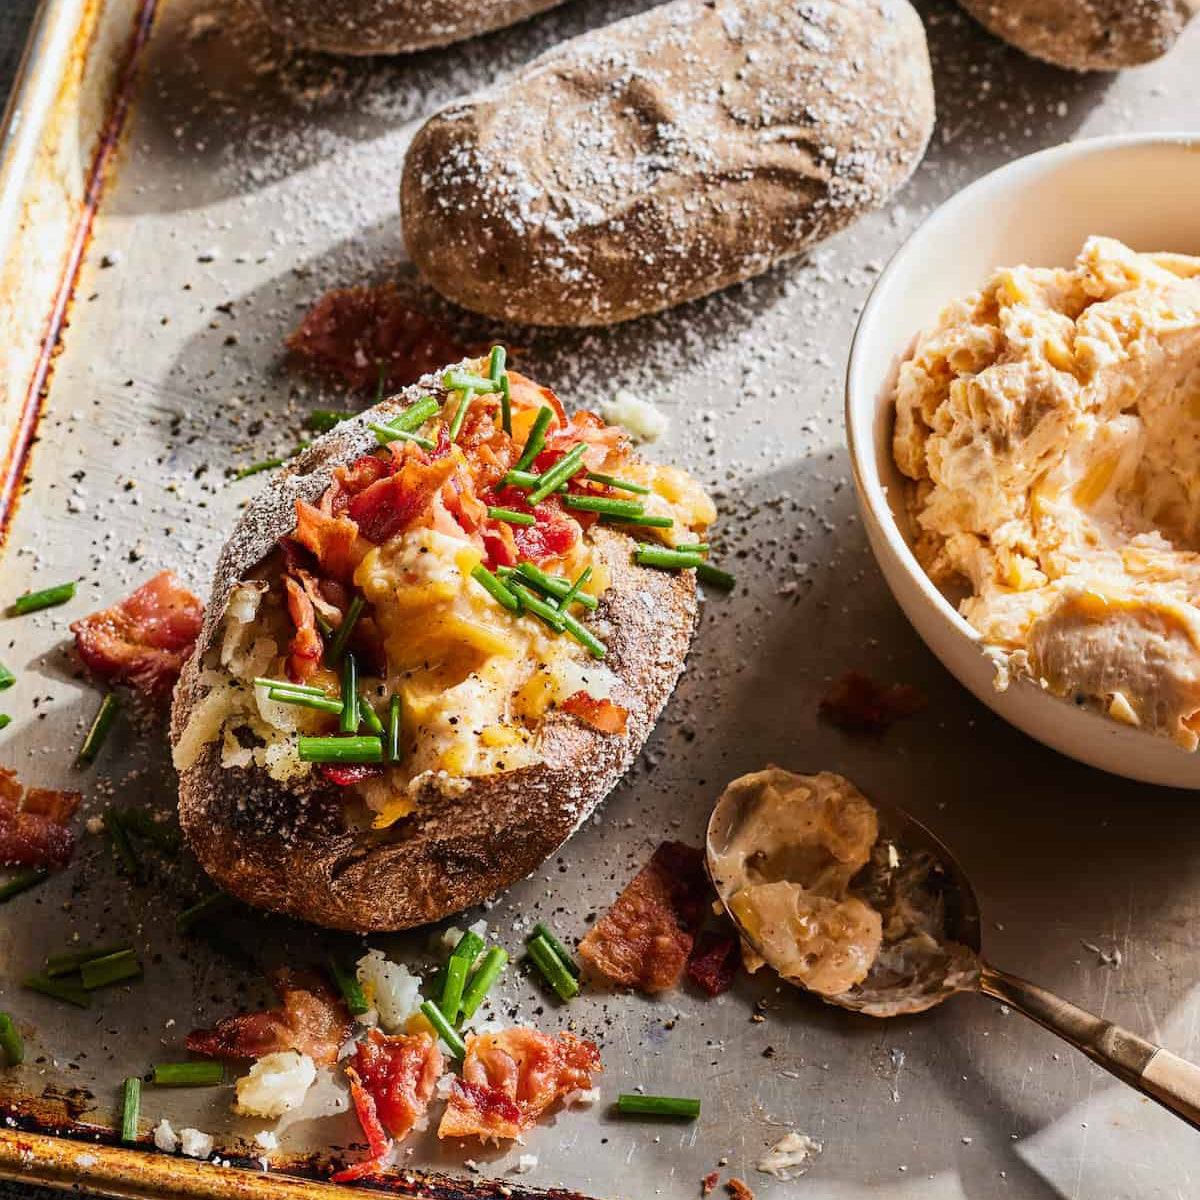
128, 862
648, 520
582, 635
22, 883
415, 415
304, 700
162, 833
393, 731
665, 558
535, 441
469, 947
465, 381
59, 989
324, 419
541, 929
322, 623
658, 1106
553, 585
47, 598
350, 718
714, 575
687, 547
606, 505
269, 464
388, 433
572, 595
342, 636
521, 479
558, 474
445, 1030
498, 591
11, 1042
452, 988
348, 985
306, 688
130, 1108
536, 605
496, 363
369, 717
481, 982
5, 720
623, 485
96, 735
112, 968
189, 1074
214, 905
460, 414
340, 749
497, 372
67, 964
553, 969
7, 678
511, 516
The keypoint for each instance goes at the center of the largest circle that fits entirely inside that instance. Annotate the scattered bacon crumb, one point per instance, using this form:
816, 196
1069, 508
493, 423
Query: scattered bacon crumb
312, 1019
379, 1144
709, 1182
33, 824
345, 774
715, 962
645, 938
145, 639
603, 715
858, 702
738, 1190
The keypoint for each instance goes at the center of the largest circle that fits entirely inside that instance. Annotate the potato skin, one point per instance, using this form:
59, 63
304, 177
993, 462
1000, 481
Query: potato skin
287, 851
1086, 35
667, 156
390, 26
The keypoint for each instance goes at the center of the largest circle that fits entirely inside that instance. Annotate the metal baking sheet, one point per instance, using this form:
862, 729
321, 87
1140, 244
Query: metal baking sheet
245, 182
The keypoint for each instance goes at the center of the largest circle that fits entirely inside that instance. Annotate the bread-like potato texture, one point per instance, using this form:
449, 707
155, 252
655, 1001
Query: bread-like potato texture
1086, 35
667, 156
289, 850
390, 26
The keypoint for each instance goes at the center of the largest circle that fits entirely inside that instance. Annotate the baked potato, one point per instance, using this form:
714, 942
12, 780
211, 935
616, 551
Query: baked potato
390, 26
472, 734
666, 156
1086, 35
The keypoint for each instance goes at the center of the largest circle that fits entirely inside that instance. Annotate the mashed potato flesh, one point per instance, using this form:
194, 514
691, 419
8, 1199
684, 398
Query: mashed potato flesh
1050, 424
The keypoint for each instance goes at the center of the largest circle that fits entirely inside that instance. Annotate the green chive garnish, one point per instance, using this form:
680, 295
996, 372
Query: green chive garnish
269, 464
22, 883
620, 484
58, 989
445, 1030
606, 505
468, 948
7, 678
324, 419
415, 415
388, 433
344, 630
552, 968
658, 1106
481, 982
714, 575
497, 372
465, 381
11, 1042
306, 688
340, 749
130, 1109
553, 585
202, 910
162, 833
521, 479
572, 595
112, 968
305, 700
582, 635
5, 720
129, 864
542, 930
452, 988
67, 964
393, 730
460, 414
348, 985
48, 598
558, 474
189, 1074
494, 588
651, 522
369, 717
535, 441
689, 547
665, 558
350, 718
105, 715
511, 516
536, 605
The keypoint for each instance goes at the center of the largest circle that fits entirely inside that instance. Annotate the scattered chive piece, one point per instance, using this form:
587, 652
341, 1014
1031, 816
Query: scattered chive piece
498, 591
269, 464
389, 433
621, 484
481, 982
7, 678
445, 1030
129, 864
496, 363
340, 749
324, 419
68, 964
541, 929
5, 720
322, 624
460, 414
535, 441
130, 1109
452, 988
306, 688
105, 716
217, 903
48, 598
649, 521
465, 381
511, 516
715, 576
497, 372
558, 474
582, 635
58, 989
393, 734
162, 833
415, 415
468, 948
521, 479
348, 985
658, 1106
342, 636
22, 883
370, 718
189, 1074
304, 700
605, 505
11, 1042
350, 719
538, 606
665, 558
112, 968
552, 968
553, 585
689, 547
572, 595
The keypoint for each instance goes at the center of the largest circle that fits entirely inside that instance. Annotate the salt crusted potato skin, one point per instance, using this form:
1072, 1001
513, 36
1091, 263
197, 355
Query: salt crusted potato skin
390, 26
287, 851
667, 156
1087, 35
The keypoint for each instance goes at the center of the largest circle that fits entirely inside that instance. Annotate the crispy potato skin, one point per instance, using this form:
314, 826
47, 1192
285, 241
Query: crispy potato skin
666, 156
390, 26
1086, 35
289, 852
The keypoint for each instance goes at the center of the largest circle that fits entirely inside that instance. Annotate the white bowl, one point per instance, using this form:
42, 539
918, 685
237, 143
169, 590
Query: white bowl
1038, 210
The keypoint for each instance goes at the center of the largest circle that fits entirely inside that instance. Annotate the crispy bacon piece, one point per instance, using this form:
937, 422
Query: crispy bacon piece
858, 702
603, 715
584, 426
510, 1078
714, 964
379, 1144
333, 541
394, 503
349, 332
311, 1019
645, 938
145, 639
306, 647
33, 824
709, 1182
738, 1189
344, 774
399, 1074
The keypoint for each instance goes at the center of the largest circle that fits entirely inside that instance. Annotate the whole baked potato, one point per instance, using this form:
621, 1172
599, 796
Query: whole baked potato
666, 156
436, 717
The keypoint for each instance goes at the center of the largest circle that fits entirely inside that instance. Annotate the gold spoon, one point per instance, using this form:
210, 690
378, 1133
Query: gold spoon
1170, 1080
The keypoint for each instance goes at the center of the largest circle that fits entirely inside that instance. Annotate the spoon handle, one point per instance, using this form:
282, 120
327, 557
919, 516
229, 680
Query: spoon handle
1157, 1073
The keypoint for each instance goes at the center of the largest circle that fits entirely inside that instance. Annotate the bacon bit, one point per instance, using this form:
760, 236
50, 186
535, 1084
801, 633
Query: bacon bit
714, 963
510, 1078
398, 1074
344, 774
738, 1190
33, 824
386, 508
145, 639
602, 440
312, 1019
603, 715
527, 394
709, 1182
349, 332
858, 702
333, 541
306, 647
645, 938
378, 1142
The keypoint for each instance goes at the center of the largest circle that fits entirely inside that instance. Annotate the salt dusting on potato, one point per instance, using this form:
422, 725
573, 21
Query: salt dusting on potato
666, 156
